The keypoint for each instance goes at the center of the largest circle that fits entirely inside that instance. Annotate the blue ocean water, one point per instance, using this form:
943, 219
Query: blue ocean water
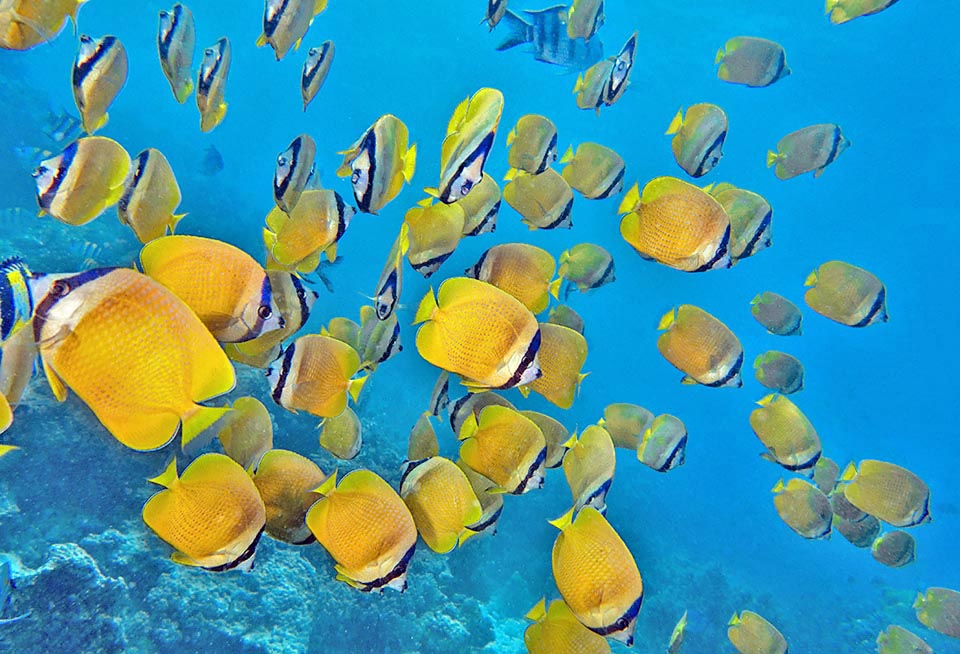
706, 536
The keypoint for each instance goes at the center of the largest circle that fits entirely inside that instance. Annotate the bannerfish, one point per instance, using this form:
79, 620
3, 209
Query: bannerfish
316, 374
495, 11
390, 284
481, 207
698, 138
779, 371
315, 71
897, 640
246, 433
590, 85
433, 233
378, 340
18, 356
229, 291
788, 435
150, 197
554, 434
594, 171
676, 637
132, 351
752, 634
491, 500
663, 445
99, 72
533, 144
846, 294
212, 84
285, 23
777, 314
676, 224
505, 447
522, 270
701, 347
584, 19
562, 314
296, 240
544, 201
557, 629
212, 514
16, 298
285, 481
597, 575
474, 403
939, 609
342, 435
295, 301
750, 219
367, 529
810, 149
442, 502
895, 549
176, 41
379, 163
841, 11
469, 140
562, 354
294, 168
626, 423
619, 77
751, 61
549, 42
889, 492
589, 466
440, 395
804, 508
826, 474
587, 266
78, 184
27, 23
475, 330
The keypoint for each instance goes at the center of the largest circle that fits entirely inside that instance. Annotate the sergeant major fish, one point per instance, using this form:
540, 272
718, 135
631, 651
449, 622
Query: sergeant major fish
547, 35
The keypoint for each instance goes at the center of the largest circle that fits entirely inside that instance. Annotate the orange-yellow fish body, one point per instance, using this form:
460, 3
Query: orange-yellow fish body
589, 465
563, 352
597, 575
434, 231
701, 347
477, 331
246, 433
533, 144
505, 447
225, 287
315, 375
295, 240
887, 491
751, 634
522, 270
804, 508
27, 23
788, 434
150, 196
379, 163
442, 502
367, 529
133, 352
342, 435
846, 294
212, 514
99, 72
556, 630
286, 481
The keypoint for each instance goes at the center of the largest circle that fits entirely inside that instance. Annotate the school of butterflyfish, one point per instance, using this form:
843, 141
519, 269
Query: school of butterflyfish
146, 348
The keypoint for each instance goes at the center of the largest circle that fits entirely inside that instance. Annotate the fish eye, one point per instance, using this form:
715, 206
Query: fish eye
281, 160
465, 187
264, 312
312, 52
163, 13
208, 52
621, 624
84, 38
60, 288
39, 171
356, 175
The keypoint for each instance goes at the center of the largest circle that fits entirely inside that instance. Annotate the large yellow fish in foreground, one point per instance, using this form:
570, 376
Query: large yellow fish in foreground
212, 515
477, 331
442, 502
367, 529
597, 575
133, 352
505, 447
701, 347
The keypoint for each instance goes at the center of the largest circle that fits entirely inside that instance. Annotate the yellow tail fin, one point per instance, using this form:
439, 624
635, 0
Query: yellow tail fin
667, 320
734, 621
328, 485
778, 488
555, 288
197, 421
811, 279
630, 200
563, 521
426, 308
579, 85
469, 427
538, 611
261, 40
410, 163
511, 136
772, 158
767, 399
168, 476
676, 123
719, 57
355, 386
6, 414
4, 449
849, 472
568, 155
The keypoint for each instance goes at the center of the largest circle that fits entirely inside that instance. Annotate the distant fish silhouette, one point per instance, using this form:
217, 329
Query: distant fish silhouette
212, 161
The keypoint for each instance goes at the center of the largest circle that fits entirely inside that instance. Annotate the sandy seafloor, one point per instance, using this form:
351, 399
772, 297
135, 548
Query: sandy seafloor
705, 536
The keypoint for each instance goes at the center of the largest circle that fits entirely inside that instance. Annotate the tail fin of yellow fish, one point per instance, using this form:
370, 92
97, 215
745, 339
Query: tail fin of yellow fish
920, 601
555, 288
511, 136
719, 57
425, 202
811, 279
198, 420
469, 427
580, 378
168, 476
831, 5
849, 472
328, 485
734, 621
56, 384
766, 399
410, 163
426, 308
667, 320
537, 613
563, 521
261, 40
466, 535
184, 92
568, 155
355, 386
404, 241
570, 442
175, 220
319, 6
511, 174
4, 449
772, 158
630, 200
432, 191
524, 391
6, 414
676, 123
579, 85
778, 488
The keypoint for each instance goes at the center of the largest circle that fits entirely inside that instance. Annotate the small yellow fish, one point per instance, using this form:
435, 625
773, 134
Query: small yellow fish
150, 197
342, 435
626, 423
533, 144
750, 219
751, 61
505, 447
752, 634
562, 314
27, 23
587, 266
701, 347
315, 71
698, 138
442, 502
296, 240
663, 446
246, 433
594, 171
887, 491
544, 201
176, 40
777, 314
804, 508
99, 72
589, 466
367, 529
597, 575
563, 352
895, 549
590, 85
315, 375
556, 630
810, 149
434, 231
939, 609
212, 515
379, 163
676, 638
211, 84
790, 438
897, 640
555, 435
779, 372
522, 270
846, 294
841, 11
481, 207
285, 481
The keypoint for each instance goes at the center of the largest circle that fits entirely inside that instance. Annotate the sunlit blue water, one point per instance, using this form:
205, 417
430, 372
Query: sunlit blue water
706, 536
